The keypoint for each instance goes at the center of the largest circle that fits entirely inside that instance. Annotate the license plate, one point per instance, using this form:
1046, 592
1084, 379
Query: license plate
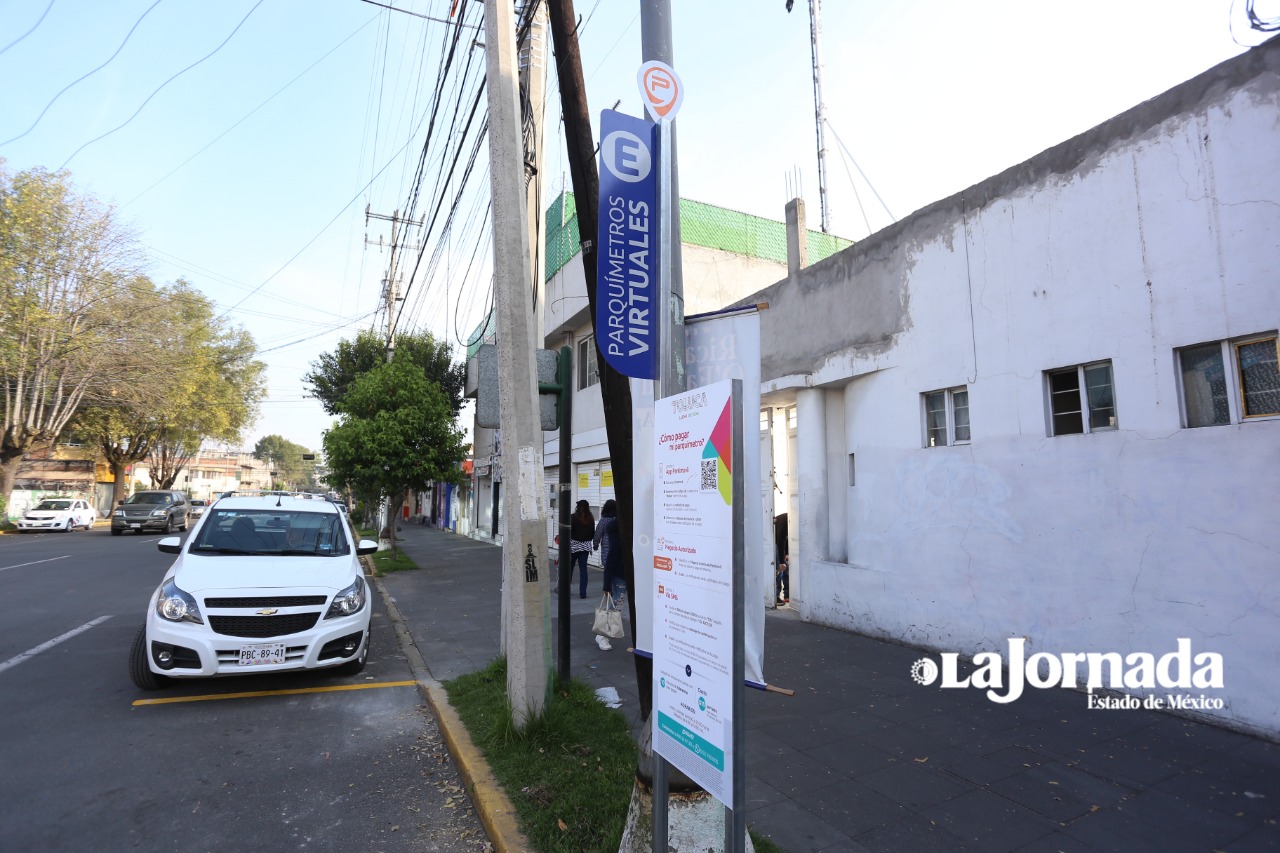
135, 525
261, 653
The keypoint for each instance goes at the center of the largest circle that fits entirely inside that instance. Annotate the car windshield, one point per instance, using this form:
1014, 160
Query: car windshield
161, 498
271, 531
52, 505
199, 503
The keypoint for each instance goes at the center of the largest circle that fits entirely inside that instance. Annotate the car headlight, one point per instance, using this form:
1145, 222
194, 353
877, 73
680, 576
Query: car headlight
156, 513
177, 605
349, 601
119, 513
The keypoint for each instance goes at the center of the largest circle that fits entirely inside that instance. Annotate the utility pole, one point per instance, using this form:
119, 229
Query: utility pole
391, 295
533, 83
524, 546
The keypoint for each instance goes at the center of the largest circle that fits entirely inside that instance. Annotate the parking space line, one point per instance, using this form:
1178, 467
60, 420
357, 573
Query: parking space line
14, 661
34, 563
170, 700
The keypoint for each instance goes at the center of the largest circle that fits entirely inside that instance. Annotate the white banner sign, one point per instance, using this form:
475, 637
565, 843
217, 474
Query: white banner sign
693, 530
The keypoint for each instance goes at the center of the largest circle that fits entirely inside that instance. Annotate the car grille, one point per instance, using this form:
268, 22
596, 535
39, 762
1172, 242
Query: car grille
263, 626
278, 601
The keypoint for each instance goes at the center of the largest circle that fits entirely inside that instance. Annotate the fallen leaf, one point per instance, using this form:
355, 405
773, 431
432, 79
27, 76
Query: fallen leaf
1093, 809
922, 760
395, 828
1052, 782
564, 827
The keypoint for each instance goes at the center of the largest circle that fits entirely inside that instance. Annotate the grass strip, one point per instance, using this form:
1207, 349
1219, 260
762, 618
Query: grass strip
569, 773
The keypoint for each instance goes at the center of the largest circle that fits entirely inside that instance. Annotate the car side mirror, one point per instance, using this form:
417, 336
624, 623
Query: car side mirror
119, 503
170, 545
366, 547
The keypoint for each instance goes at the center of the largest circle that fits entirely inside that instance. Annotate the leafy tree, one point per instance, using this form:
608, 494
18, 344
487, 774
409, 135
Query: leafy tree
396, 433
65, 261
286, 460
331, 376
183, 376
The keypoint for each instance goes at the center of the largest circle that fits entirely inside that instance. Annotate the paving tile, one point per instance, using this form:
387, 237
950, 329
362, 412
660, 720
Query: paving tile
795, 828
1226, 786
1130, 763
1059, 793
809, 731
914, 786
853, 757
1264, 838
853, 808
761, 793
985, 821
916, 834
1190, 826
986, 769
796, 774
1059, 842
907, 743
1113, 829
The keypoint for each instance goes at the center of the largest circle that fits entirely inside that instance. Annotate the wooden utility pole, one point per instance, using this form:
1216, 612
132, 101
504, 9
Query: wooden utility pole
524, 543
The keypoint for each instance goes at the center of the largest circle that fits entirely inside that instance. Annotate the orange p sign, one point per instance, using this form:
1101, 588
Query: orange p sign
661, 90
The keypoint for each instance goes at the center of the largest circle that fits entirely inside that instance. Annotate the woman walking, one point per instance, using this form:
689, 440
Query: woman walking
581, 528
606, 538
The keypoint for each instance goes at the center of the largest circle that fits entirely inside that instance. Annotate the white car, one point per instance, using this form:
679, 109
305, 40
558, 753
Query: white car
63, 514
263, 584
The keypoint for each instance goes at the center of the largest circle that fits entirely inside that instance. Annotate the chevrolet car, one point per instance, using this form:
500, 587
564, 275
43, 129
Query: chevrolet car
263, 584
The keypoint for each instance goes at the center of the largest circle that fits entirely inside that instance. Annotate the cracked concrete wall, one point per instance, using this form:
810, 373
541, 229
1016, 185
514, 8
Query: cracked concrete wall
1154, 231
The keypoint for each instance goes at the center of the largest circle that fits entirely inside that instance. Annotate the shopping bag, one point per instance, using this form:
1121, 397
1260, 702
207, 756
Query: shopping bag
608, 621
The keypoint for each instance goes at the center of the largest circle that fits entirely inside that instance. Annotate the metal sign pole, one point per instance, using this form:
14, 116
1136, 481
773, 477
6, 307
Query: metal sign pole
735, 819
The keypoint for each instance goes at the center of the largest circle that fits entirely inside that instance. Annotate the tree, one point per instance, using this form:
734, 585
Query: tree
292, 471
181, 376
64, 259
396, 432
331, 376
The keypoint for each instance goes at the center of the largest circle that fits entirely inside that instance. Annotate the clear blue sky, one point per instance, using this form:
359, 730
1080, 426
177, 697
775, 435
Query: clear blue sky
249, 173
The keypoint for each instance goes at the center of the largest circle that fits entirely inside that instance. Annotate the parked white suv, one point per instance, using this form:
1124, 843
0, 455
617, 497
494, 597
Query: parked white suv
264, 583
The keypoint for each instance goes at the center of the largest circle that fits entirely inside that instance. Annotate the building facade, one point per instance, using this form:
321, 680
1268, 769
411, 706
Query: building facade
1048, 407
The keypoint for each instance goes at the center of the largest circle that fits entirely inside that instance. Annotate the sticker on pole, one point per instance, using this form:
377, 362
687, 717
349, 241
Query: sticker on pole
661, 90
627, 274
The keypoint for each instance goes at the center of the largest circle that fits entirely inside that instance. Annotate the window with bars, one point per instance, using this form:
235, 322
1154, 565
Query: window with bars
588, 367
1229, 381
1081, 399
946, 417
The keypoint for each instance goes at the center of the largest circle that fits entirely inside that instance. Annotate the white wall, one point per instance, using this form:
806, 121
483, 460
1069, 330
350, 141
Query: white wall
1150, 233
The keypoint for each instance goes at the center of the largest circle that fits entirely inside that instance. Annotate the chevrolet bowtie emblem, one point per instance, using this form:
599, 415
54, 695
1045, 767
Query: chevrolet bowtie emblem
268, 611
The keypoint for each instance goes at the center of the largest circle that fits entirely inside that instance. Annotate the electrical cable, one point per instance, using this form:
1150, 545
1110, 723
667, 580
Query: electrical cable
860, 172
247, 115
30, 31
84, 76
161, 86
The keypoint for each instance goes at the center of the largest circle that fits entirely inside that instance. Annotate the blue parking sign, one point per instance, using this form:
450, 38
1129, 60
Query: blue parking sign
627, 274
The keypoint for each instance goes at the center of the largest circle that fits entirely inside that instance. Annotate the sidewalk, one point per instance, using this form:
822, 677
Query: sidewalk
863, 758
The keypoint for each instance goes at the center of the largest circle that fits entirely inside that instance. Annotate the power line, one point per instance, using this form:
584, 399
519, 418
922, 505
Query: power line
30, 31
161, 86
84, 76
243, 118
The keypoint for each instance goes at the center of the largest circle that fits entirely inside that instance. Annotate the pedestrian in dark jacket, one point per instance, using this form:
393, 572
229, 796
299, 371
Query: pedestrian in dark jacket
608, 539
581, 528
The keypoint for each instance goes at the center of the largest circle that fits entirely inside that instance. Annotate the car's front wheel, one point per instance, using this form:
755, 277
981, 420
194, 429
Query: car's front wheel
139, 668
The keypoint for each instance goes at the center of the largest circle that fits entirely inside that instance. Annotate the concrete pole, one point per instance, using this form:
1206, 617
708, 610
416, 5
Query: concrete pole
811, 469
524, 546
533, 78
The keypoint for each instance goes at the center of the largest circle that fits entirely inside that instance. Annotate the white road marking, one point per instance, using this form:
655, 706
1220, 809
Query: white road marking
20, 565
14, 661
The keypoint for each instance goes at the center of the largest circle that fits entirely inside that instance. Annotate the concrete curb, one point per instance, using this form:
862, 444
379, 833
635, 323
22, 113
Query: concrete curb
494, 808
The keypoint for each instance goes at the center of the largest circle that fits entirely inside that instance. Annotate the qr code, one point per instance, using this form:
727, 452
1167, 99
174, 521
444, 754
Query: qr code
710, 478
